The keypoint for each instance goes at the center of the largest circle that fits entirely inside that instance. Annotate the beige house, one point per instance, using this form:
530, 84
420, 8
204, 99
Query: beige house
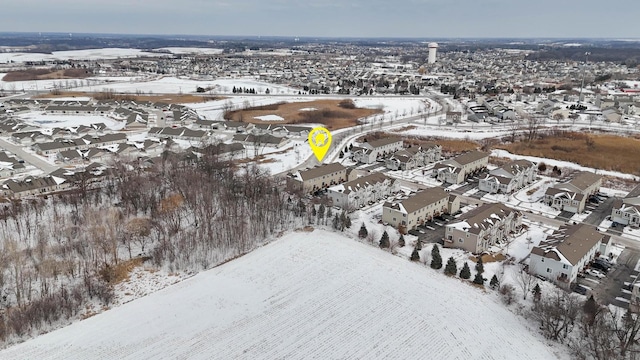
321, 177
565, 253
416, 210
481, 228
573, 195
456, 170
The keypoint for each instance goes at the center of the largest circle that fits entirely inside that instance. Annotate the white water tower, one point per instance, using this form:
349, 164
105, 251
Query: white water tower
433, 47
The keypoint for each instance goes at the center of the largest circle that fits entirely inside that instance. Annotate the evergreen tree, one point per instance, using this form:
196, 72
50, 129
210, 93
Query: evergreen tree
465, 273
415, 255
234, 90
347, 222
419, 245
537, 293
479, 265
384, 240
341, 156
336, 222
363, 232
401, 242
478, 279
494, 283
436, 259
451, 268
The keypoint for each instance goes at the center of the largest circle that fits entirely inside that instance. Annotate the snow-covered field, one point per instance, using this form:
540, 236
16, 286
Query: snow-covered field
192, 50
63, 121
317, 295
175, 85
89, 54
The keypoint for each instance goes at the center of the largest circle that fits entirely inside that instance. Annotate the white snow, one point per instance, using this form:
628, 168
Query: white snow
62, 121
192, 50
89, 54
269, 118
317, 295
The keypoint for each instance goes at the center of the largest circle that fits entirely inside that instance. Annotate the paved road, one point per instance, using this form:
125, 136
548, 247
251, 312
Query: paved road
28, 157
611, 287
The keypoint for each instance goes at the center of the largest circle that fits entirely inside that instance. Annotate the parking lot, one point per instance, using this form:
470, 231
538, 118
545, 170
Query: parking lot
614, 288
432, 231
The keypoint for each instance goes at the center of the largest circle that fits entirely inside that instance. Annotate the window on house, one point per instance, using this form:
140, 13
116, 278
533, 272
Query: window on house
461, 240
549, 270
565, 266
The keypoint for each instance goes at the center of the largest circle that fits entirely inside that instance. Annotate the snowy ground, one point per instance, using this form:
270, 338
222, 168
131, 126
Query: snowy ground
303, 296
89, 54
63, 121
175, 85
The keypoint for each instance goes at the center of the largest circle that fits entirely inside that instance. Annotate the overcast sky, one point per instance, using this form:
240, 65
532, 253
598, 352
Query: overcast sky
329, 18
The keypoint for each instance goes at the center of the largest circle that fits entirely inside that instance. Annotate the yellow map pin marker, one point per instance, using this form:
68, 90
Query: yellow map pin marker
320, 142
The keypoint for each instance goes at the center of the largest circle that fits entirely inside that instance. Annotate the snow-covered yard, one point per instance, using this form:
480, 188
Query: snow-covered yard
307, 295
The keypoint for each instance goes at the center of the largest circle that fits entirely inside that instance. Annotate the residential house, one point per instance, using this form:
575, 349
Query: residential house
408, 213
414, 157
509, 177
627, 211
369, 152
565, 253
357, 193
321, 177
456, 170
482, 227
32, 186
573, 195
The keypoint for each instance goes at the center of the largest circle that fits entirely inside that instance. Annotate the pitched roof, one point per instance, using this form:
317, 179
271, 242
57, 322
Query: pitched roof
584, 179
482, 217
419, 200
321, 171
470, 157
571, 242
361, 182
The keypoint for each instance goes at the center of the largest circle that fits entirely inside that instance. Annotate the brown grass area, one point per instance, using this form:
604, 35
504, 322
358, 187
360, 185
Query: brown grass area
120, 272
46, 74
608, 152
328, 112
489, 258
167, 98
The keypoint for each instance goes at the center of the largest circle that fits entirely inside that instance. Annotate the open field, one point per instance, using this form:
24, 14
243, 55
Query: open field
165, 98
607, 152
326, 112
46, 74
303, 296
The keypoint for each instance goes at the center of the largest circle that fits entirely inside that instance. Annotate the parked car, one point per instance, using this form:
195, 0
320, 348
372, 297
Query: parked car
580, 290
600, 267
596, 273
604, 263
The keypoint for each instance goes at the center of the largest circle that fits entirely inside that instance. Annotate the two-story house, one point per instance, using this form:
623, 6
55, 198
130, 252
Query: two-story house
627, 211
565, 253
414, 157
369, 152
416, 210
509, 177
573, 195
481, 228
321, 177
359, 192
456, 170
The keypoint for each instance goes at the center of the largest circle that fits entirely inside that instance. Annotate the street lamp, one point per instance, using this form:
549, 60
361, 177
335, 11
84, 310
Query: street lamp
586, 60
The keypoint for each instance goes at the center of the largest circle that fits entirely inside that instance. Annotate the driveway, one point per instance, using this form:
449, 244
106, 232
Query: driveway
612, 289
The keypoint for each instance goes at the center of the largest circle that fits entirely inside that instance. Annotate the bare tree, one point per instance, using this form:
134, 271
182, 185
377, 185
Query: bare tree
556, 314
525, 281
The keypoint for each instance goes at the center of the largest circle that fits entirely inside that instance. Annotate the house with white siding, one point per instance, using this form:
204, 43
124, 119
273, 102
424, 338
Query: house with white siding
573, 195
359, 192
408, 213
369, 152
627, 211
565, 253
509, 177
482, 227
456, 170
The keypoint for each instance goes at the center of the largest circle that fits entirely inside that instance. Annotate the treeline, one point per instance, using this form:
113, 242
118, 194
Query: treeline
60, 254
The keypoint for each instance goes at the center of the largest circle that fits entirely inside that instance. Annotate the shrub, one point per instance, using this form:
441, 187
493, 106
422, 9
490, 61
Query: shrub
347, 104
